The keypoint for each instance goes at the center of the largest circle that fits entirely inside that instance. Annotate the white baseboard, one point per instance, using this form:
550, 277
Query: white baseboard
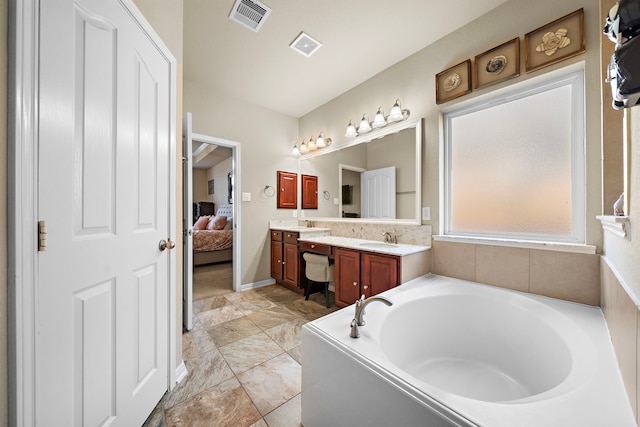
259, 284
181, 372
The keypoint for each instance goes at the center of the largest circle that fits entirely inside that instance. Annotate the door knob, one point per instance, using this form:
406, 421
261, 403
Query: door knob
166, 244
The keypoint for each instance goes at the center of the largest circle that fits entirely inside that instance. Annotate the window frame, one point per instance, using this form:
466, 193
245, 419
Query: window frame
570, 76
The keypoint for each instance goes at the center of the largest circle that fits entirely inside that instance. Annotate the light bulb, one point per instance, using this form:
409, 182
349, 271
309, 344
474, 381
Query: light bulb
396, 112
379, 120
351, 130
365, 126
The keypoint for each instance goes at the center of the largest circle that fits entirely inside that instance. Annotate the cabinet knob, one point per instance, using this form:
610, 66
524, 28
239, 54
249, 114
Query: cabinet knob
355, 283
366, 287
313, 246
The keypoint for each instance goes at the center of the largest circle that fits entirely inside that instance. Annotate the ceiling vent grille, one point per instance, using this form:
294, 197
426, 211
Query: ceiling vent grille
250, 13
305, 44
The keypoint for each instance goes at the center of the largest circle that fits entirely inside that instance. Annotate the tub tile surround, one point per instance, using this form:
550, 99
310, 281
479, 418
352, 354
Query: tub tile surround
563, 275
623, 321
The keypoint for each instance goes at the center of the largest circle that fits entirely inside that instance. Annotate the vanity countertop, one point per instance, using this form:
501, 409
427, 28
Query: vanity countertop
397, 249
304, 231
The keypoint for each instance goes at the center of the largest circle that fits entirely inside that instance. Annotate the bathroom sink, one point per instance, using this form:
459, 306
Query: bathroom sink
378, 245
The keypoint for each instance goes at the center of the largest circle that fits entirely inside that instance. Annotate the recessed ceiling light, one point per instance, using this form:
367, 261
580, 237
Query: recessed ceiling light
305, 44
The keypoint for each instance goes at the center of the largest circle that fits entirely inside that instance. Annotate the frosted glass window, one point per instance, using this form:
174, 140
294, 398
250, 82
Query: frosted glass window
515, 165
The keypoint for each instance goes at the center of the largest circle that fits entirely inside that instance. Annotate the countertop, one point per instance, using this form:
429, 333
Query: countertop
302, 229
398, 249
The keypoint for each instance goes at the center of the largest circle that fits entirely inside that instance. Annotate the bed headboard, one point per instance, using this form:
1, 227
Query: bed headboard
225, 210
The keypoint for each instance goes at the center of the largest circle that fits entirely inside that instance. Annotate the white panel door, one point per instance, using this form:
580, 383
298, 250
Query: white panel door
104, 192
187, 197
378, 197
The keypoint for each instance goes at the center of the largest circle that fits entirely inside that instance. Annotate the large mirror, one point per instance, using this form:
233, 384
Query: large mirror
375, 177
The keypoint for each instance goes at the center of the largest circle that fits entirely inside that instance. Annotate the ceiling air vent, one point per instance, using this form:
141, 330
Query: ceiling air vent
250, 13
305, 44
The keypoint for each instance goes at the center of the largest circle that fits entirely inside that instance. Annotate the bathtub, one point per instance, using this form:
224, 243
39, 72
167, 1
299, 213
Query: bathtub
455, 353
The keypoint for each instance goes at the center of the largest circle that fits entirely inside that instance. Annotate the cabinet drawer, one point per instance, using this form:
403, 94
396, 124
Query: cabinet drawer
316, 248
276, 235
290, 237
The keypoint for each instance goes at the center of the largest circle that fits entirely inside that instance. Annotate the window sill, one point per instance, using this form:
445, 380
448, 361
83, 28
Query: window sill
527, 244
615, 224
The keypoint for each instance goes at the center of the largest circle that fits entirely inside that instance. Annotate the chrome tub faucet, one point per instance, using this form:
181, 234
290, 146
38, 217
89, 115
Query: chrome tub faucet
360, 306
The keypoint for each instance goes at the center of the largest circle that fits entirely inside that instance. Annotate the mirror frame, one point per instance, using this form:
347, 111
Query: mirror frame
371, 136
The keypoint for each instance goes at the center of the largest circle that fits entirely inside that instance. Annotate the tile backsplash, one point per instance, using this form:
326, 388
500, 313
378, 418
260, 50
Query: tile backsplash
407, 234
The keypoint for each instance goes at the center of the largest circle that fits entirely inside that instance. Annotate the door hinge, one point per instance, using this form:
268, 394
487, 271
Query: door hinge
42, 236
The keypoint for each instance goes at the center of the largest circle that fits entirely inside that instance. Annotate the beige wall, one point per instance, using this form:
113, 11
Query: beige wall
266, 140
200, 186
412, 81
3, 215
219, 174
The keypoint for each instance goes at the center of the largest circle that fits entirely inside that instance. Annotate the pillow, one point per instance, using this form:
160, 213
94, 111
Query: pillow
229, 224
201, 223
217, 223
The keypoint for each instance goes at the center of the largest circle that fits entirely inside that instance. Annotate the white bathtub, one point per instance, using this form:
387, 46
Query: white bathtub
456, 353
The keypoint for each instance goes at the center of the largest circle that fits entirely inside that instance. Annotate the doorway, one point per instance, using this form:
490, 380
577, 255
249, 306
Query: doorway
212, 219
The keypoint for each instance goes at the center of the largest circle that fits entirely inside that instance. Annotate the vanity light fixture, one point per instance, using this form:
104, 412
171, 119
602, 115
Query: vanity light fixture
351, 130
303, 147
397, 114
365, 126
320, 141
379, 120
314, 144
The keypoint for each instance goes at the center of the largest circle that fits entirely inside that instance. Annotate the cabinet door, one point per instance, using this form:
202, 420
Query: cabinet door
379, 273
347, 277
276, 259
287, 190
309, 191
290, 264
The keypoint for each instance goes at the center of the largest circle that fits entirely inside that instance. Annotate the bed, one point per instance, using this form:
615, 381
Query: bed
213, 237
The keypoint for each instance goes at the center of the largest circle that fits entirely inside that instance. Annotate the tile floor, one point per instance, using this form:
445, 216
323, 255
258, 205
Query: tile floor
243, 358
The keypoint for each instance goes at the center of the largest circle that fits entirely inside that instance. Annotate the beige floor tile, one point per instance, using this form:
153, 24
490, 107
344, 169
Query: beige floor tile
226, 404
204, 371
286, 415
287, 335
267, 319
296, 354
233, 330
259, 423
209, 303
251, 305
277, 294
248, 352
219, 315
272, 383
199, 341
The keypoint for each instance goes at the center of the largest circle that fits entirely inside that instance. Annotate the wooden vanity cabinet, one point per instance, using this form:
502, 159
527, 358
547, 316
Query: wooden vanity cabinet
285, 259
358, 273
309, 191
287, 190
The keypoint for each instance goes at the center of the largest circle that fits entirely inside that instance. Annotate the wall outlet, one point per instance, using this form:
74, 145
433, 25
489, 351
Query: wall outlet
295, 213
301, 214
246, 197
426, 213
336, 201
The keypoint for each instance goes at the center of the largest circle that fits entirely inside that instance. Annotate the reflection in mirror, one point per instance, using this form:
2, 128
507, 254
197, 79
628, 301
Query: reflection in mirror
340, 174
